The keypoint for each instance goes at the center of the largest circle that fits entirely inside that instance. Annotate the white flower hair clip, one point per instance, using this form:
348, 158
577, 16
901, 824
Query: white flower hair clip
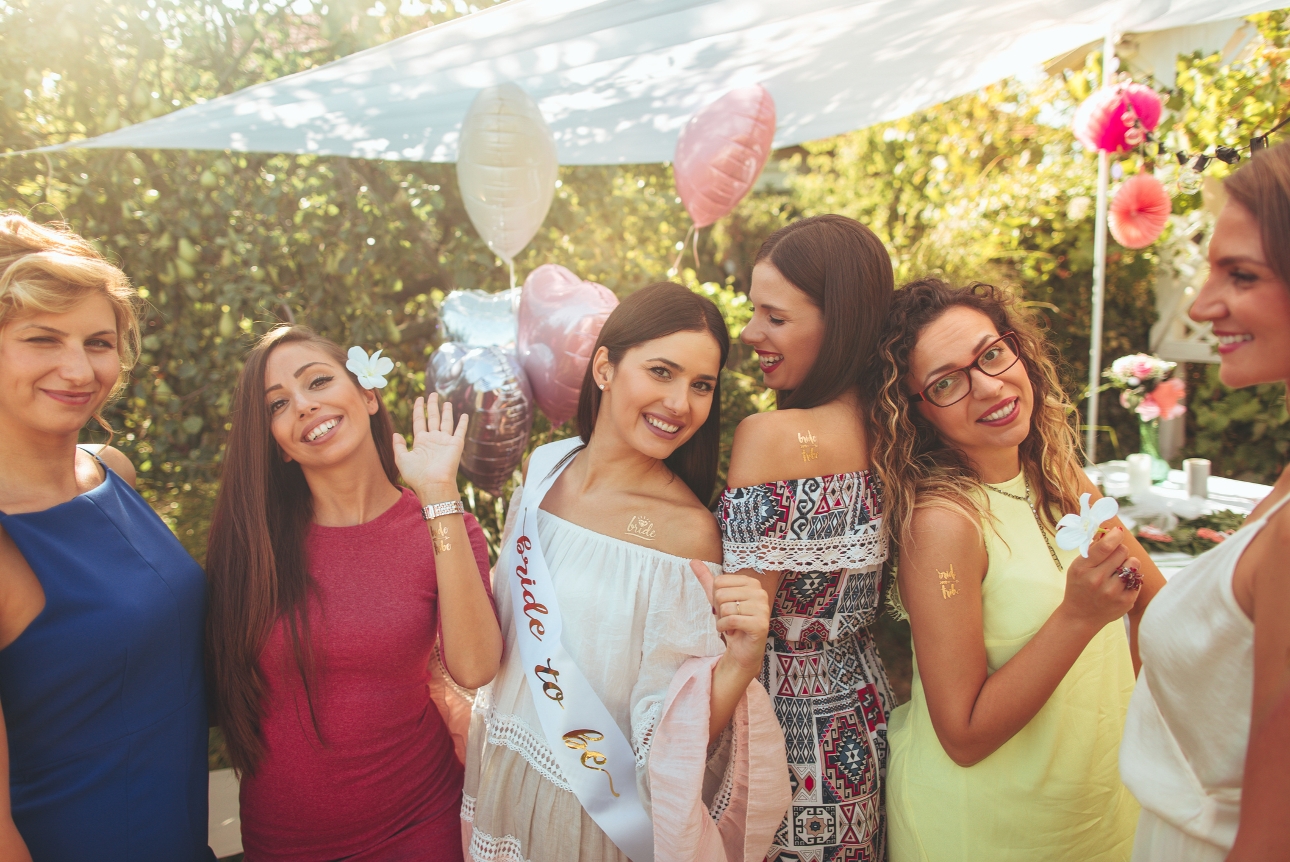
370, 370
1082, 530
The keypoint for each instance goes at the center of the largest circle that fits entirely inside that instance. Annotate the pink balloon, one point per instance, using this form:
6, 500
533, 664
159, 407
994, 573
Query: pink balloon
1139, 211
721, 151
1099, 121
560, 319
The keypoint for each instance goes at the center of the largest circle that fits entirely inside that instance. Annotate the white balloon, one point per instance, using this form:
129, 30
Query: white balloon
506, 168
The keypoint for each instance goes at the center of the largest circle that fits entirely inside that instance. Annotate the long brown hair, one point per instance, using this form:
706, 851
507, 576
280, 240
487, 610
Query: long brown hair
1262, 186
255, 560
916, 467
845, 270
657, 311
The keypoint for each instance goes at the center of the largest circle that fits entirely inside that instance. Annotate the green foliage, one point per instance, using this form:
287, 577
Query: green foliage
1185, 539
224, 246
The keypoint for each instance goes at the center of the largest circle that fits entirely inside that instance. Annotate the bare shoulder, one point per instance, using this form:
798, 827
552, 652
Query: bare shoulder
936, 528
689, 530
762, 443
115, 459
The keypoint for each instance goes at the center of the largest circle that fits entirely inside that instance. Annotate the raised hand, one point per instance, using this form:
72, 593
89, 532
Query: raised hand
430, 466
743, 615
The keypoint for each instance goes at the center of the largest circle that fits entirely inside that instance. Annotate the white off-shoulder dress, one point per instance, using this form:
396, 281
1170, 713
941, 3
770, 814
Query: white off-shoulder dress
633, 616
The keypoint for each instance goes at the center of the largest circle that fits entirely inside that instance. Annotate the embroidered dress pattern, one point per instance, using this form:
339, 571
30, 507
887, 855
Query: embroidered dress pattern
828, 685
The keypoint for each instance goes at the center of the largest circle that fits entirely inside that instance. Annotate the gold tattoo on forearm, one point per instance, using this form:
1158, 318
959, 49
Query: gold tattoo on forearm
439, 533
949, 583
807, 444
640, 527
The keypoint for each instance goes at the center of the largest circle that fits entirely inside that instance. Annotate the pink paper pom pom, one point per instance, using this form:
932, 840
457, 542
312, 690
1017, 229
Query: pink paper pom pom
1139, 211
1099, 123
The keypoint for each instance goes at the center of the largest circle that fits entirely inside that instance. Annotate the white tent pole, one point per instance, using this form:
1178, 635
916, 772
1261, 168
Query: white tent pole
1099, 271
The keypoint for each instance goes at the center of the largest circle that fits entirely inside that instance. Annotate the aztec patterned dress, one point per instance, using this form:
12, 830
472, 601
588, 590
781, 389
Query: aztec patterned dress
828, 686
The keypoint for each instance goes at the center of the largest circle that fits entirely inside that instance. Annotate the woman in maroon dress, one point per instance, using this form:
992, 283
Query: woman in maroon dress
325, 613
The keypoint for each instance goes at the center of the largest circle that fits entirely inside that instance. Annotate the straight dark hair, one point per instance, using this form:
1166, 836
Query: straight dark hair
256, 565
845, 270
657, 311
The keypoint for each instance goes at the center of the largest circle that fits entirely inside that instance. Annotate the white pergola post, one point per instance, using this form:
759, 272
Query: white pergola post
1099, 270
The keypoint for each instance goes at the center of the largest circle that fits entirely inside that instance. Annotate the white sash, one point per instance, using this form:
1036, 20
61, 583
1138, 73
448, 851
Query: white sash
594, 756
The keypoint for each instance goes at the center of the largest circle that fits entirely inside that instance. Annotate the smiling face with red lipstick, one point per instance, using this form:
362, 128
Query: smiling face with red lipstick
318, 415
1246, 302
990, 422
58, 368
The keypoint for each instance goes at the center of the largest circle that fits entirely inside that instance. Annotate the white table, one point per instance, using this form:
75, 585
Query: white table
1224, 494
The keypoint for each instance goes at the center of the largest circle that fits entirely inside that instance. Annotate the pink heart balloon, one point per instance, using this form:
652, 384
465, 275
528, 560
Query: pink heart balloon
721, 151
560, 319
1099, 121
1139, 211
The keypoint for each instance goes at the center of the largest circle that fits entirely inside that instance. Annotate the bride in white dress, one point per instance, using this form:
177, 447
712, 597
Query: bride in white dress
607, 525
1214, 642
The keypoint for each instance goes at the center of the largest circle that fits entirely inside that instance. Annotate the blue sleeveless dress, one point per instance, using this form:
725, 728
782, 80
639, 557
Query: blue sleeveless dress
103, 693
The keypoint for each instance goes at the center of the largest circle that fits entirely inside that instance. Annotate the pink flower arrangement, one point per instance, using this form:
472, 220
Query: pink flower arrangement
1162, 402
1148, 389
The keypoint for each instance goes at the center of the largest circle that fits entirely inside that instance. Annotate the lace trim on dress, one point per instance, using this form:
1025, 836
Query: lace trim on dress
808, 555
643, 735
467, 808
728, 744
513, 732
486, 848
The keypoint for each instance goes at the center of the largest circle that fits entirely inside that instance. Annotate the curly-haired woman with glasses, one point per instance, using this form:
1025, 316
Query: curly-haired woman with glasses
1023, 670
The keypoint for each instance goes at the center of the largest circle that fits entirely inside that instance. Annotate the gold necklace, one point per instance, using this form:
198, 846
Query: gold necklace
1035, 512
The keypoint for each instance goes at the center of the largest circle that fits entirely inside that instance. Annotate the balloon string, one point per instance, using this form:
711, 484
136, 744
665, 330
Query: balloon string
676, 264
511, 264
696, 252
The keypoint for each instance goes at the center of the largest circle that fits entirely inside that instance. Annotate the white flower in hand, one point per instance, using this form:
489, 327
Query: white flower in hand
1079, 531
370, 370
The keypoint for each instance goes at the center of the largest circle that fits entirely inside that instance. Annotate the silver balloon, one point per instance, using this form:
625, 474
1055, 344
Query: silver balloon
488, 384
479, 318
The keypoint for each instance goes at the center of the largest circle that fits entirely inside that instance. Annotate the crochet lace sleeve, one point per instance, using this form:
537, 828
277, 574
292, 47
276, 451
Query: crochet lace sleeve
821, 524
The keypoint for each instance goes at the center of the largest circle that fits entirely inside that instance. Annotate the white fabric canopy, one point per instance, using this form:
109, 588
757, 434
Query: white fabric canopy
616, 79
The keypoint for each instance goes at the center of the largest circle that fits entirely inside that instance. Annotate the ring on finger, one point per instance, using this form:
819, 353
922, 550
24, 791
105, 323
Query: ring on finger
1130, 575
737, 611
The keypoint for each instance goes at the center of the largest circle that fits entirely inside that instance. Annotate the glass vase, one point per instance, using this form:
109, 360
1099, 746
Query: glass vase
1150, 445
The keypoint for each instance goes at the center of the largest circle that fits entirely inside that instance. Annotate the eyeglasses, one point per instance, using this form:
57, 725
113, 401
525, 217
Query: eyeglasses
952, 387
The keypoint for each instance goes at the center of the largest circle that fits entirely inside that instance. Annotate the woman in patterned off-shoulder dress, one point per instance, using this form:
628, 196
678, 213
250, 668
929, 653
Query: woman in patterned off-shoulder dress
804, 513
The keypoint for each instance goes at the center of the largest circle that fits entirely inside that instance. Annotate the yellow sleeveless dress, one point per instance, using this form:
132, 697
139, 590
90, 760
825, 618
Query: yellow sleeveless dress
1053, 791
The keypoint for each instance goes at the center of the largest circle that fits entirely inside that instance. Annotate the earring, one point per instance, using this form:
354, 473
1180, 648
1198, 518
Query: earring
602, 386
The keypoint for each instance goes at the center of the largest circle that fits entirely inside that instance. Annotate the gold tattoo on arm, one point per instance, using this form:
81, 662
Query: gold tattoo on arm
640, 527
807, 444
949, 583
439, 534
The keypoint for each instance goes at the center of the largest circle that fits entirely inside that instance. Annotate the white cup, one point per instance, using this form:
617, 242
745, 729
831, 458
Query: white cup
1140, 464
1197, 472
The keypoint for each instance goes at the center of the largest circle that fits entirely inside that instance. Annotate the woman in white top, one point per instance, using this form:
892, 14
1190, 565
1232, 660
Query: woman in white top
1214, 642
613, 651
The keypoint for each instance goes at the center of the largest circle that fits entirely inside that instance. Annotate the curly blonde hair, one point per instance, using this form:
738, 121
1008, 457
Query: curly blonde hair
49, 268
916, 467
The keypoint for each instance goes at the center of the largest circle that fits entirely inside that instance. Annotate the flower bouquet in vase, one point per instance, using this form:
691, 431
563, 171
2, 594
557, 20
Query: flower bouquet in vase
1148, 390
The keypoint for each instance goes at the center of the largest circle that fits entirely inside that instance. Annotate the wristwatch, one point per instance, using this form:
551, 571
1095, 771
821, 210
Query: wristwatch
438, 510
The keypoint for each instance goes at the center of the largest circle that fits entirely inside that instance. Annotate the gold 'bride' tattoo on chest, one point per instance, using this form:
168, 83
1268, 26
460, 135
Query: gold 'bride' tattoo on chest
640, 527
949, 583
807, 443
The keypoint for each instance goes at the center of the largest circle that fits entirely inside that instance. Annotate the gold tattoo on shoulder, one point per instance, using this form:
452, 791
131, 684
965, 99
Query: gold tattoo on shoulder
807, 443
439, 534
949, 583
640, 527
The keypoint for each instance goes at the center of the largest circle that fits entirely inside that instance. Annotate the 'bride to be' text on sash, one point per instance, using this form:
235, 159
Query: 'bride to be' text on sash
594, 756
